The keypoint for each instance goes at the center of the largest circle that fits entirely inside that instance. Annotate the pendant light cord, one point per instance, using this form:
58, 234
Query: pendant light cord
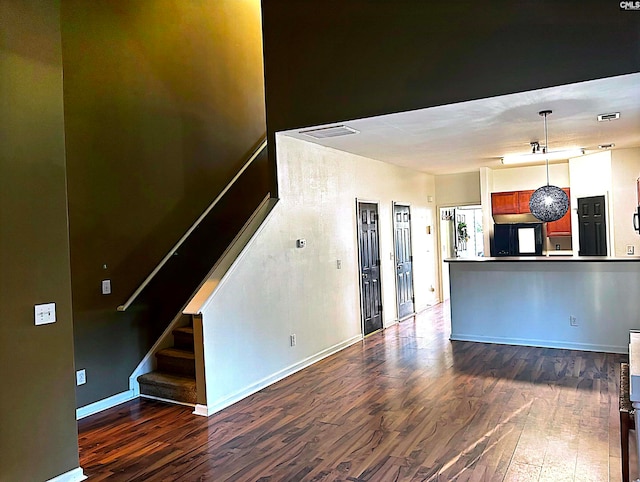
546, 144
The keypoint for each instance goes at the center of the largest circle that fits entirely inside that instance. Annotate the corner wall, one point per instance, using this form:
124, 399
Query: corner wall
38, 433
164, 102
625, 170
276, 289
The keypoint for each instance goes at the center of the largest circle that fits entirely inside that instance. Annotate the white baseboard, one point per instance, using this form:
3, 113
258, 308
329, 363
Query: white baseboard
74, 475
201, 410
207, 410
566, 345
104, 404
167, 400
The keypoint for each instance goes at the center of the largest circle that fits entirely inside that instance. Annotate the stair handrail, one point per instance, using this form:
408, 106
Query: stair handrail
197, 222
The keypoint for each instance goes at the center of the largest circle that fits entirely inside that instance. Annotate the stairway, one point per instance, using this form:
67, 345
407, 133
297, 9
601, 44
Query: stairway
175, 375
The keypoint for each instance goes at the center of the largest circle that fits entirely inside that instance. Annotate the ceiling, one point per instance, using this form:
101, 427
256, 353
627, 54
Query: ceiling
465, 136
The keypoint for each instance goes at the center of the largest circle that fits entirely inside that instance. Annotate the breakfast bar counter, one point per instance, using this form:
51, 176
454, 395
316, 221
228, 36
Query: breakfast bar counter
584, 303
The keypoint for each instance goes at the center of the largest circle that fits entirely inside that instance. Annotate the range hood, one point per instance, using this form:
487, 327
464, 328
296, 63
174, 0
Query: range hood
515, 218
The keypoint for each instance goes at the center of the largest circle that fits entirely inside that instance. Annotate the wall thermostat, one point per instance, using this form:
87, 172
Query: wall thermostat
301, 243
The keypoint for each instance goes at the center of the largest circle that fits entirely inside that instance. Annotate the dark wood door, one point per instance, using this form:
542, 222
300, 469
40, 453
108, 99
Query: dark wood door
370, 291
404, 260
593, 226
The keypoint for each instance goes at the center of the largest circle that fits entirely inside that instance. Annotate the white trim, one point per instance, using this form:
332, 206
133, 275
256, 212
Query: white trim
105, 403
566, 345
201, 410
167, 400
74, 475
207, 410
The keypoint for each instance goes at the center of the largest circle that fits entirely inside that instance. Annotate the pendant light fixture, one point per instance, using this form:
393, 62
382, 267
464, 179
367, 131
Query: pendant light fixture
548, 203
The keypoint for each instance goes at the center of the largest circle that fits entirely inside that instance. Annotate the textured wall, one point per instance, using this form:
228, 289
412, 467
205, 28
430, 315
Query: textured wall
288, 290
164, 101
38, 435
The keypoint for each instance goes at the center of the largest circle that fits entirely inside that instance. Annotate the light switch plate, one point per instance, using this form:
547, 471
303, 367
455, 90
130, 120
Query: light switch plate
45, 314
630, 249
106, 286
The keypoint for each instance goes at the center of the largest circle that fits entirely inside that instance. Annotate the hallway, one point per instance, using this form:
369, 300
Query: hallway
406, 404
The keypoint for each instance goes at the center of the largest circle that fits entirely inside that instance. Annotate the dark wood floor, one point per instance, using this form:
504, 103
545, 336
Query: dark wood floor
404, 405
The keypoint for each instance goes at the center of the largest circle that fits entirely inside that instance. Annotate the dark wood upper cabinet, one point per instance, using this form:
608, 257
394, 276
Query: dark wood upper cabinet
561, 227
523, 201
504, 202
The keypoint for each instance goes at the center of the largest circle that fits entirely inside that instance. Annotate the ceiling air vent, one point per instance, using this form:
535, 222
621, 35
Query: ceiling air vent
333, 131
608, 117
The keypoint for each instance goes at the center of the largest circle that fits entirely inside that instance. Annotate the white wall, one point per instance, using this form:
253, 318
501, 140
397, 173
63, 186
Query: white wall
458, 189
525, 178
591, 176
276, 289
625, 169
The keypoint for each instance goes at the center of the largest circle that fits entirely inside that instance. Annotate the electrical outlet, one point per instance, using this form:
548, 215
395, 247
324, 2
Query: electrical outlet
106, 286
630, 249
45, 314
81, 377
573, 321
292, 339
339, 264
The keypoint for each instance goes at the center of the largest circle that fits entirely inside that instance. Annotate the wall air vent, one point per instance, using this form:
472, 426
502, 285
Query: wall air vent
333, 131
608, 117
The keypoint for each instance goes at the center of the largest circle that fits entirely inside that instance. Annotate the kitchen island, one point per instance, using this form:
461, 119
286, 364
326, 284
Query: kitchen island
583, 303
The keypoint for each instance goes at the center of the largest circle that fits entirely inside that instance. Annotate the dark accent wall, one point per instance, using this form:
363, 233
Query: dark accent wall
334, 60
164, 102
38, 434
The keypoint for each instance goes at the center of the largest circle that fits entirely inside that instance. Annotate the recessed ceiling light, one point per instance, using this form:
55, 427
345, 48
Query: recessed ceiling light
606, 146
609, 117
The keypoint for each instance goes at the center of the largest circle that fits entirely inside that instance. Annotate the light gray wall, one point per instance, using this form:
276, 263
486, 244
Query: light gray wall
38, 435
530, 302
276, 289
458, 189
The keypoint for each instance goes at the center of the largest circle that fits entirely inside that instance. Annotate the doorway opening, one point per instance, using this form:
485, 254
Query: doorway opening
461, 236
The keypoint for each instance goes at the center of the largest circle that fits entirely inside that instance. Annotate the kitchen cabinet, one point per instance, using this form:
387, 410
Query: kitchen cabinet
510, 202
561, 227
504, 202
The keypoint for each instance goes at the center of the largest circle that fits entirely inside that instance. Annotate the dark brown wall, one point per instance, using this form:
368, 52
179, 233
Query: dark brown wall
38, 435
164, 101
334, 60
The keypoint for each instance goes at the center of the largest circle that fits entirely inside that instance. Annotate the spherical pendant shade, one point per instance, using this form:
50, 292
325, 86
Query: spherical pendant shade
549, 203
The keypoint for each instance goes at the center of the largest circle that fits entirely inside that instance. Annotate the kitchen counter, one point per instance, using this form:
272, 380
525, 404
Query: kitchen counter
573, 302
553, 258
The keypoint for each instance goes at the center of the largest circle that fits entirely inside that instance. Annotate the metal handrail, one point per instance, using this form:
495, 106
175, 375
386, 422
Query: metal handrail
171, 252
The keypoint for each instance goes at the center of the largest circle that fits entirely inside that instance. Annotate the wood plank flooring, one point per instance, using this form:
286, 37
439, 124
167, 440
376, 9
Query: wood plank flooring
406, 404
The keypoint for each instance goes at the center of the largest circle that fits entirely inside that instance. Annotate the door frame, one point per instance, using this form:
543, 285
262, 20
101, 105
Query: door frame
395, 261
439, 258
359, 265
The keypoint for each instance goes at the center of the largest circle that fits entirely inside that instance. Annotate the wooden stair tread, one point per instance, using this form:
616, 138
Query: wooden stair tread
187, 330
167, 380
177, 353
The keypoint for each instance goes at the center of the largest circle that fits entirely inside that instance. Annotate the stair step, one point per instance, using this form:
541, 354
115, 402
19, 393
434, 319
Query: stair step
169, 387
183, 338
177, 362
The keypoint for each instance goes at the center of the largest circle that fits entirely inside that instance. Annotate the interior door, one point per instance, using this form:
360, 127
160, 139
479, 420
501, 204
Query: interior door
592, 217
404, 260
370, 290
